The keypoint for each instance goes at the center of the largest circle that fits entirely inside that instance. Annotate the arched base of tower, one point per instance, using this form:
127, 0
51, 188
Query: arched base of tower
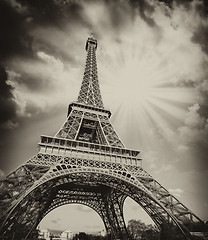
80, 180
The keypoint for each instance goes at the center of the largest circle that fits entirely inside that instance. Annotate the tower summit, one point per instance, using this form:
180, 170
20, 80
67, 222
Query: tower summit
86, 163
90, 91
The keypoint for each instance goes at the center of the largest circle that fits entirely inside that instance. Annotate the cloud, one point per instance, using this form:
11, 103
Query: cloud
200, 37
193, 119
83, 208
9, 125
177, 192
194, 135
42, 84
195, 129
1, 174
189, 141
201, 92
55, 221
8, 104
17, 6
200, 34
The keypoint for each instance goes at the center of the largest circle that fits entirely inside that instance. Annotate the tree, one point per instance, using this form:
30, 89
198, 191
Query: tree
84, 236
139, 230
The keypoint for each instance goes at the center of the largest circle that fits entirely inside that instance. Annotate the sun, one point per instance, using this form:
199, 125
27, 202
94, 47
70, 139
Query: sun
144, 90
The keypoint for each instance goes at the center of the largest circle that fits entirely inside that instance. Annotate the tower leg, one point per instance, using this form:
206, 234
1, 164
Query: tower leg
26, 216
114, 213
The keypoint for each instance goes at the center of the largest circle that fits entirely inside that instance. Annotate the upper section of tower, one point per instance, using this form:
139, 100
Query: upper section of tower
90, 91
91, 41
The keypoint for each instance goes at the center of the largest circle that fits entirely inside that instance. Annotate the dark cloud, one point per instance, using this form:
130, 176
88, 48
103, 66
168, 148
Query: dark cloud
57, 12
8, 105
31, 83
118, 13
43, 12
19, 19
57, 16
203, 111
145, 11
14, 39
202, 8
202, 97
200, 37
171, 3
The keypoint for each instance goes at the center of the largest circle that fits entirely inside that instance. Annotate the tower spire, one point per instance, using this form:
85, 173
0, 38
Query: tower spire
90, 91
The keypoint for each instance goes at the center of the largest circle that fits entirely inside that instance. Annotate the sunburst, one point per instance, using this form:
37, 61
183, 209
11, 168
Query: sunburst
143, 93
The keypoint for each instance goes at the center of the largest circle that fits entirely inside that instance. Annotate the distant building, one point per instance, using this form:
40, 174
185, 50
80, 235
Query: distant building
44, 234
48, 234
67, 234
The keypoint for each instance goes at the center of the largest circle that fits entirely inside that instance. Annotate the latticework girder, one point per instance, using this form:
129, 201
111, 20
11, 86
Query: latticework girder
84, 172
89, 126
91, 197
90, 91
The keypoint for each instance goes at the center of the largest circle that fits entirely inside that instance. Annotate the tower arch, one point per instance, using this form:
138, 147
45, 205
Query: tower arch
77, 216
94, 189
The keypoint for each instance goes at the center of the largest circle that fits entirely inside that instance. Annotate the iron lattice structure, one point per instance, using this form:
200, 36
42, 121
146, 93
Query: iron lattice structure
86, 163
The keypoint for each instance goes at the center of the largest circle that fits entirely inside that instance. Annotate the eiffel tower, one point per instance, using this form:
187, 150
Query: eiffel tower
86, 163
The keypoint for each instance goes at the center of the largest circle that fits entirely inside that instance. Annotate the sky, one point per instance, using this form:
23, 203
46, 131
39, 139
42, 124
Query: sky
152, 65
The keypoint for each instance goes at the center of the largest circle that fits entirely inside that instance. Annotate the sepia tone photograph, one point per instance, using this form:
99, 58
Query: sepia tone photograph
104, 120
